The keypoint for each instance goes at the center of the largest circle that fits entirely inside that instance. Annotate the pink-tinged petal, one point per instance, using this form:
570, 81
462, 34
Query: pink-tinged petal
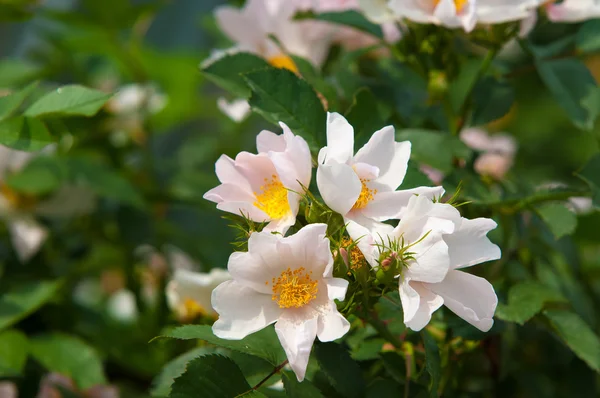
245, 209
268, 141
331, 325
294, 164
336, 288
429, 302
469, 245
281, 225
391, 205
27, 237
493, 164
239, 27
379, 150
470, 297
228, 174
297, 335
257, 169
242, 310
308, 248
340, 138
476, 138
339, 186
396, 171
229, 193
253, 270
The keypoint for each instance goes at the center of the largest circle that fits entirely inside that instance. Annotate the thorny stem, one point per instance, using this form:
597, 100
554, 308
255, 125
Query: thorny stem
276, 370
512, 206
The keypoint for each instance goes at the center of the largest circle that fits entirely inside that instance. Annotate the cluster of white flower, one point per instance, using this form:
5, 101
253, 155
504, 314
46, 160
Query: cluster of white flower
288, 280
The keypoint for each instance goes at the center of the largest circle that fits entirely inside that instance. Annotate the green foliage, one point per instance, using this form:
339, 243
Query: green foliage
13, 352
296, 389
71, 100
343, 372
69, 356
21, 300
432, 362
25, 134
351, 18
559, 219
227, 72
591, 175
525, 300
433, 148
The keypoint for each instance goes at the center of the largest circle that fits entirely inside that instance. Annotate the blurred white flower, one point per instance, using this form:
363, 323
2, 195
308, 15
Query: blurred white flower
462, 13
121, 306
497, 151
265, 187
573, 10
189, 293
236, 110
136, 98
19, 210
431, 242
8, 390
363, 186
287, 281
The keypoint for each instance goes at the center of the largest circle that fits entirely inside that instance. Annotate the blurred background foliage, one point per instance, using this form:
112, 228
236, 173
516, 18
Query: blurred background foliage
149, 165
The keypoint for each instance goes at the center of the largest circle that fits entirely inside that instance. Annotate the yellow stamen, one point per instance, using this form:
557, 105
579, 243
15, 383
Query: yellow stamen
459, 4
294, 289
273, 198
366, 195
191, 309
283, 61
17, 200
357, 259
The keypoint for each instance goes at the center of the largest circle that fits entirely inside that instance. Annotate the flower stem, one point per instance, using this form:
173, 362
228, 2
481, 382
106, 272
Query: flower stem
276, 370
512, 206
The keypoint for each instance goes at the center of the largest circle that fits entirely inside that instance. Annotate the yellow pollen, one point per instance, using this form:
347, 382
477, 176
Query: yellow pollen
366, 195
357, 259
192, 309
459, 4
272, 198
294, 289
283, 61
17, 200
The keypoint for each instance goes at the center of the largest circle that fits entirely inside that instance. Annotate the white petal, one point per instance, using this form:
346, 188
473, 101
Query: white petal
429, 302
246, 209
340, 138
297, 336
469, 245
240, 27
242, 311
470, 297
227, 172
236, 110
268, 141
331, 324
294, 163
27, 236
379, 150
229, 192
339, 186
410, 299
257, 267
391, 205
376, 10
396, 171
336, 288
308, 248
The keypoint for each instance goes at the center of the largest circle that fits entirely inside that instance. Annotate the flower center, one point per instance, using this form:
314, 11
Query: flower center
17, 200
366, 195
459, 4
357, 259
283, 61
273, 198
192, 309
294, 289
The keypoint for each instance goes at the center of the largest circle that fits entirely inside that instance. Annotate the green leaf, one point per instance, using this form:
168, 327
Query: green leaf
432, 362
492, 100
459, 88
574, 88
161, 385
591, 175
12, 102
295, 389
14, 72
577, 335
280, 95
343, 372
13, 352
558, 218
212, 376
351, 18
104, 181
366, 116
263, 344
395, 365
525, 300
434, 148
70, 100
22, 300
41, 175
227, 72
588, 37
25, 134
70, 356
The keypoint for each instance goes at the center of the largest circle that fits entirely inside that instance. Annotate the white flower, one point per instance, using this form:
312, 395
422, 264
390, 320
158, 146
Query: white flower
440, 242
267, 186
573, 10
498, 151
462, 13
250, 27
363, 186
19, 210
135, 98
122, 307
236, 110
188, 293
286, 281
